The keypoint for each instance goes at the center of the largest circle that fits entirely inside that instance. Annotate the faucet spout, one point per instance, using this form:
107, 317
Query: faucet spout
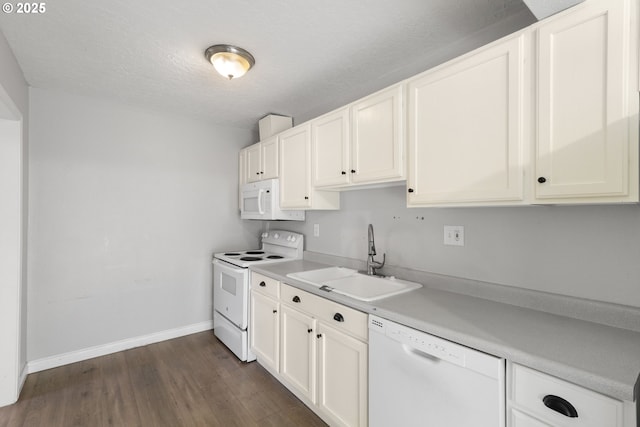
372, 264
372, 244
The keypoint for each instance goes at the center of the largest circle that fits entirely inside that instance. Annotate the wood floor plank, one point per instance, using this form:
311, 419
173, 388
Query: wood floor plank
188, 381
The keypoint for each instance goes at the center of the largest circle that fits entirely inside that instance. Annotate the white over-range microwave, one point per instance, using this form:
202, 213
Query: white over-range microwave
261, 200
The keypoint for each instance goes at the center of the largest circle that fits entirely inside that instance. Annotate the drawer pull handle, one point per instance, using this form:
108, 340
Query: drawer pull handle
560, 405
296, 299
338, 317
319, 336
275, 311
263, 284
309, 330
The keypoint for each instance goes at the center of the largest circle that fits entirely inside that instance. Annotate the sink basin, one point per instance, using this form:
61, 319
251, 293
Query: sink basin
353, 284
318, 277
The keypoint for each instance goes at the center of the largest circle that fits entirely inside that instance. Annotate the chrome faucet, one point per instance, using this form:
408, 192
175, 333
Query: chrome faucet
372, 264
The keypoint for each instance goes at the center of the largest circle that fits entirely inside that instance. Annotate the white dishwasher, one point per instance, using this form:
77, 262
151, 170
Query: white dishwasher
417, 379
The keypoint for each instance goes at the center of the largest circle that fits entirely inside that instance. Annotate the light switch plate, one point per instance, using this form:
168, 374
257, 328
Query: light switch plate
454, 235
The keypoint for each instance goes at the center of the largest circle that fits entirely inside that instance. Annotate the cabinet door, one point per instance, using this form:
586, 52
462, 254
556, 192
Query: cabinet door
466, 140
377, 143
264, 331
342, 377
269, 157
330, 149
298, 351
583, 128
295, 161
254, 166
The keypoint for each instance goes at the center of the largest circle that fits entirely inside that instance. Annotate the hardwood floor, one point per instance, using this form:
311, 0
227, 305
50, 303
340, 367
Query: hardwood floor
189, 381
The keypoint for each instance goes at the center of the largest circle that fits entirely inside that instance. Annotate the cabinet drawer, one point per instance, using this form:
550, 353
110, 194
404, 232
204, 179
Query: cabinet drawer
265, 285
343, 318
530, 388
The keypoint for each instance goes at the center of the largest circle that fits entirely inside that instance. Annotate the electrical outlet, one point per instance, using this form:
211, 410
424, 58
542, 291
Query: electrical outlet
316, 230
454, 235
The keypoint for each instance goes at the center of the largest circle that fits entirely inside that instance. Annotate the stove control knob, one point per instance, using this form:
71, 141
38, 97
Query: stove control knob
276, 236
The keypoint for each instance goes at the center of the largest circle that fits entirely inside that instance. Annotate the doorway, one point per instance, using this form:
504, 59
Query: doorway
11, 252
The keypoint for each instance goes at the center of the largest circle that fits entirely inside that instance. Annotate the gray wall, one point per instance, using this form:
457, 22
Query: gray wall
127, 207
590, 252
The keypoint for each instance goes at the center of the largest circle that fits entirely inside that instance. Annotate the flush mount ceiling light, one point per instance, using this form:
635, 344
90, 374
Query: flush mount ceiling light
230, 61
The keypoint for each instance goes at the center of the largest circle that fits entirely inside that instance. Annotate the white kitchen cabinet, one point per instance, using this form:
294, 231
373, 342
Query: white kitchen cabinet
330, 149
587, 141
362, 143
535, 399
339, 367
377, 137
296, 191
262, 160
295, 159
253, 162
342, 376
264, 327
466, 129
298, 349
264, 330
323, 351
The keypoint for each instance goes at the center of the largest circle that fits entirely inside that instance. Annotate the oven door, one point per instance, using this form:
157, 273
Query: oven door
231, 292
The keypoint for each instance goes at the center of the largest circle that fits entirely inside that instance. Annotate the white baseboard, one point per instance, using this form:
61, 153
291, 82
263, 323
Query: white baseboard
114, 347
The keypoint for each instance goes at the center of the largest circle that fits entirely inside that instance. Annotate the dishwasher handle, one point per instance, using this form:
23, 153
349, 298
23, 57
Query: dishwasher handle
420, 354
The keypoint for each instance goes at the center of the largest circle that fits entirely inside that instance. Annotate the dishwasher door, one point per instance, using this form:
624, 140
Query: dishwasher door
417, 379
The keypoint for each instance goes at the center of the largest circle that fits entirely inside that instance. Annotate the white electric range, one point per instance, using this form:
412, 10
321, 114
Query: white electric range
231, 286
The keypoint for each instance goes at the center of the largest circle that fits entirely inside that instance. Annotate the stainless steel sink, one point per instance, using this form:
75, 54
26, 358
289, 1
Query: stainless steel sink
359, 286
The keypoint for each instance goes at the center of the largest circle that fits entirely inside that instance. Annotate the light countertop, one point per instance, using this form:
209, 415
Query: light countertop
599, 357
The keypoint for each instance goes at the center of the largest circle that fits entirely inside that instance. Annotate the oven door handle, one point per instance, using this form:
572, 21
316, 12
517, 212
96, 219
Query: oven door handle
261, 201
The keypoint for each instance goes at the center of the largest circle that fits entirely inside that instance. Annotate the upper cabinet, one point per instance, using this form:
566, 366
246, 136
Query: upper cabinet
362, 143
377, 132
465, 125
330, 149
262, 160
548, 115
296, 191
587, 141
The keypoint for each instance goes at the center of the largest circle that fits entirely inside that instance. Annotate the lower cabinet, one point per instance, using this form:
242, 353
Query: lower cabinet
342, 376
298, 348
536, 399
321, 352
265, 329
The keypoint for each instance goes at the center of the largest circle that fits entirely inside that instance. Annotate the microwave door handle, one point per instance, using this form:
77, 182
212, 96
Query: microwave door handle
260, 202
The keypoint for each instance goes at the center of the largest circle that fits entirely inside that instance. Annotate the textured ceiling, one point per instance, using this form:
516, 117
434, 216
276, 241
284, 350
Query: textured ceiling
311, 56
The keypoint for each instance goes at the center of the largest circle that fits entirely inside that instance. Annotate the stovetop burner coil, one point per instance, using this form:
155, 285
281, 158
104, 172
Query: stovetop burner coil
250, 258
